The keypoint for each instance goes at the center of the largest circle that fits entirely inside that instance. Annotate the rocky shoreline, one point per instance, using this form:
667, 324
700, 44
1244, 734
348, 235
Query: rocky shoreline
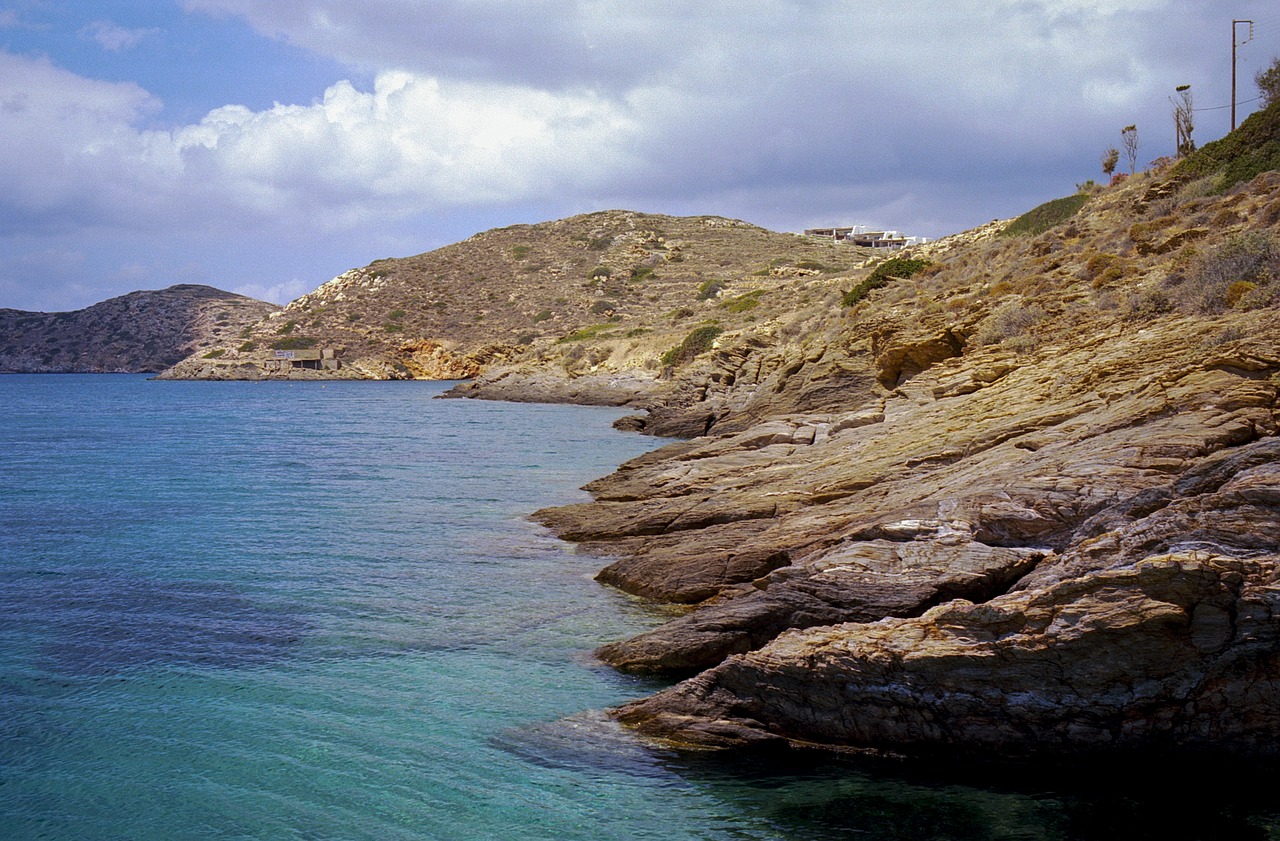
1096, 570
1061, 549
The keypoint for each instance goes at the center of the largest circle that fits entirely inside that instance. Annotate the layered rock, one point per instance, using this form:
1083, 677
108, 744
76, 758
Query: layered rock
1175, 650
1042, 525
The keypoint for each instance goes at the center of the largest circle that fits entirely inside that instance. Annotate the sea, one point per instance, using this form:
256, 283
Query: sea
290, 610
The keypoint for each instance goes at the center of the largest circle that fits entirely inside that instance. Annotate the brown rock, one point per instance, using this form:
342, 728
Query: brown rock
862, 581
1179, 649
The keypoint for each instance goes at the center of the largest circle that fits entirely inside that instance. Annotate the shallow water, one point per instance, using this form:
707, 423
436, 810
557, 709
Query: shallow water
274, 610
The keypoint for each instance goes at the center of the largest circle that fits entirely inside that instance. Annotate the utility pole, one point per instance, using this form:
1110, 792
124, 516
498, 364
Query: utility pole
1234, 24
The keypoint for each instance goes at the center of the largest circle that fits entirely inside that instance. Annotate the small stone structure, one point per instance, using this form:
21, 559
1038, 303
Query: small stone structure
315, 359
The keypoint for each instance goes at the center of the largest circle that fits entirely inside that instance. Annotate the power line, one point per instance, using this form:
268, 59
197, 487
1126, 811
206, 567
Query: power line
1224, 107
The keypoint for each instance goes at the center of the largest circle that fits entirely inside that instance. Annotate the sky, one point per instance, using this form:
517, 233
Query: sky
265, 146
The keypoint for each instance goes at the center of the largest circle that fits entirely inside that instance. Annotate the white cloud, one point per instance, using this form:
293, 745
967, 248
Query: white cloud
277, 293
8, 18
74, 152
915, 115
69, 151
113, 37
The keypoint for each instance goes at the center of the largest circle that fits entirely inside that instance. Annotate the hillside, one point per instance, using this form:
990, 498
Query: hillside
139, 332
1022, 502
613, 290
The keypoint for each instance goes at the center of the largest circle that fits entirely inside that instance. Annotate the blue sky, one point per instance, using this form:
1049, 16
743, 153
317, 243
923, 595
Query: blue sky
264, 146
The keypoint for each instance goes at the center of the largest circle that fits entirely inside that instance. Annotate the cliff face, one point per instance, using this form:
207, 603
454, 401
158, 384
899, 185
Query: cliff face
138, 332
1026, 501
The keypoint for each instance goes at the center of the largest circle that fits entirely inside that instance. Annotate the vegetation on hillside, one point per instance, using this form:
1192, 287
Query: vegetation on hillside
619, 290
1046, 216
695, 344
900, 268
1253, 148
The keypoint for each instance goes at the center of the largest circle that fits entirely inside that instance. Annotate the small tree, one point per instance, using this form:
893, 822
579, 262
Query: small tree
1110, 158
1268, 82
1183, 120
1129, 138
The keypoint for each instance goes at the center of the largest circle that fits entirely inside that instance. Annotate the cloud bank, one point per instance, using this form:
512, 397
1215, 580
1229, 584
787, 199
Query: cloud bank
922, 116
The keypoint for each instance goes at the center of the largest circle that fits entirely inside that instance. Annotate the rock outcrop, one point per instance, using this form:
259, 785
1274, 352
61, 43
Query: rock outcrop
1178, 650
1029, 507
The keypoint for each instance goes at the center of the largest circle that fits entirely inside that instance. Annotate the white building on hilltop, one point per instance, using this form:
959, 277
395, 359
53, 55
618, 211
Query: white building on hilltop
861, 236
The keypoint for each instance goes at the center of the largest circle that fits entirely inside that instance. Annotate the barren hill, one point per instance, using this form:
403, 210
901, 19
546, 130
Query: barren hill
615, 284
139, 332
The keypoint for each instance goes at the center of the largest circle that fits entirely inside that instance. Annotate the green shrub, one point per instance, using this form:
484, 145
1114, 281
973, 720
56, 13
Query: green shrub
286, 328
694, 344
393, 327
603, 307
742, 303
1243, 270
1250, 150
1238, 292
395, 315
248, 347
1102, 269
519, 252
899, 268
600, 272
353, 316
542, 315
293, 343
709, 289
1046, 216
214, 354
812, 265
641, 273
593, 332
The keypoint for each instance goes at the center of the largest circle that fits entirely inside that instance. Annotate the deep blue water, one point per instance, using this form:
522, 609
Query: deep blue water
313, 611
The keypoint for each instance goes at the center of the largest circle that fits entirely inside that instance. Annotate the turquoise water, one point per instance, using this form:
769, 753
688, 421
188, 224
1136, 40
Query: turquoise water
313, 611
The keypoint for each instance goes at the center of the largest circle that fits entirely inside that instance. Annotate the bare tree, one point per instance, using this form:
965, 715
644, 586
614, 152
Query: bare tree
1129, 138
1183, 120
1110, 157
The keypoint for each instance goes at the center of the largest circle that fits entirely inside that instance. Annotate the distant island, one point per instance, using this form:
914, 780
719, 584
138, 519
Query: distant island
142, 332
